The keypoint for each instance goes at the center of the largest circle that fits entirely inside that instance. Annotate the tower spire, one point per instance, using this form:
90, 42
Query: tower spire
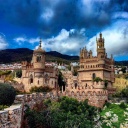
40, 43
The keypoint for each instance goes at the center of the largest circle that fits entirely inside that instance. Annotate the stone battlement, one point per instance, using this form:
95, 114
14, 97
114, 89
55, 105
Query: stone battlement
95, 97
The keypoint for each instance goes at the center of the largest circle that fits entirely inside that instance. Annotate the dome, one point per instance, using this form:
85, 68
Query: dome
39, 49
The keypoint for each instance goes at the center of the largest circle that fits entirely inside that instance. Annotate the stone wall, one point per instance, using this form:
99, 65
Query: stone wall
12, 117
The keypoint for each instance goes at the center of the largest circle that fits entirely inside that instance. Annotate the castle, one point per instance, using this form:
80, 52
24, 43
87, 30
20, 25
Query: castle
37, 73
84, 85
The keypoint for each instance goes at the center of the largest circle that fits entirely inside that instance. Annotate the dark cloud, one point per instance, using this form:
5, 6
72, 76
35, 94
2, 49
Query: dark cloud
50, 16
20, 12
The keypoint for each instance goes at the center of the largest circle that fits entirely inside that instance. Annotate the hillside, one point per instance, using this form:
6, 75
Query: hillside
21, 54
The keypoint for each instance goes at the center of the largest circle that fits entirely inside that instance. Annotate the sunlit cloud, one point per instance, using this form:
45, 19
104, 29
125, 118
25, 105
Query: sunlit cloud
116, 39
3, 42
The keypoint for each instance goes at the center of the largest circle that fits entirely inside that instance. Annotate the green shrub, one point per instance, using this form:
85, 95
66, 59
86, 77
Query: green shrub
19, 73
41, 89
107, 104
3, 106
123, 105
97, 79
7, 94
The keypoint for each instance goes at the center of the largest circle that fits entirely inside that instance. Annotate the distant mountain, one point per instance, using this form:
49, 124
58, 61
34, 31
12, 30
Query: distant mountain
22, 54
66, 57
121, 63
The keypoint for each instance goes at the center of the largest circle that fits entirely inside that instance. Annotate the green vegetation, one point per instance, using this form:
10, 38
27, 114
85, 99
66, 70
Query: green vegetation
113, 115
123, 69
7, 94
5, 72
41, 89
66, 113
19, 73
125, 76
2, 107
97, 79
122, 94
8, 75
61, 81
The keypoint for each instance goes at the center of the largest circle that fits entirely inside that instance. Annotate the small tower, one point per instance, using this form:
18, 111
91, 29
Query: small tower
90, 54
85, 52
100, 47
39, 57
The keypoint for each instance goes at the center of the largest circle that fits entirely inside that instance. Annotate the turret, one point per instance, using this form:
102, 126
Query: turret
39, 57
83, 53
90, 54
100, 47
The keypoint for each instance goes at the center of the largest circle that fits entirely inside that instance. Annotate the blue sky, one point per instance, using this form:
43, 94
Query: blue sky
65, 25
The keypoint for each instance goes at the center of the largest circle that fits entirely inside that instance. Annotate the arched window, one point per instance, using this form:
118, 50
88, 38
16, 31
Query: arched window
93, 76
31, 78
75, 85
38, 59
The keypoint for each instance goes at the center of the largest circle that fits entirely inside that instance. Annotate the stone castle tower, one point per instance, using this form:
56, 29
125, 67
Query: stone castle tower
83, 86
39, 58
37, 73
96, 66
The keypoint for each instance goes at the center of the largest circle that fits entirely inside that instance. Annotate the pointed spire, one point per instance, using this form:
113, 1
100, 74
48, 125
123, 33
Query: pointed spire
40, 43
100, 35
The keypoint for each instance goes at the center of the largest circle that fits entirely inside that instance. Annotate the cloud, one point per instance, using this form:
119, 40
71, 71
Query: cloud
49, 17
116, 39
3, 42
66, 41
23, 39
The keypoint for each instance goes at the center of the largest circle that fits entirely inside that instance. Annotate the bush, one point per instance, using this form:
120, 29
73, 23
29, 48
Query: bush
107, 104
3, 106
123, 105
7, 94
97, 79
41, 89
19, 73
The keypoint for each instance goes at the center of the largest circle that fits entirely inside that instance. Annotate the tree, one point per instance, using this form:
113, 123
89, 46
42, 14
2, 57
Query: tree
61, 81
66, 113
7, 94
123, 69
19, 73
124, 92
